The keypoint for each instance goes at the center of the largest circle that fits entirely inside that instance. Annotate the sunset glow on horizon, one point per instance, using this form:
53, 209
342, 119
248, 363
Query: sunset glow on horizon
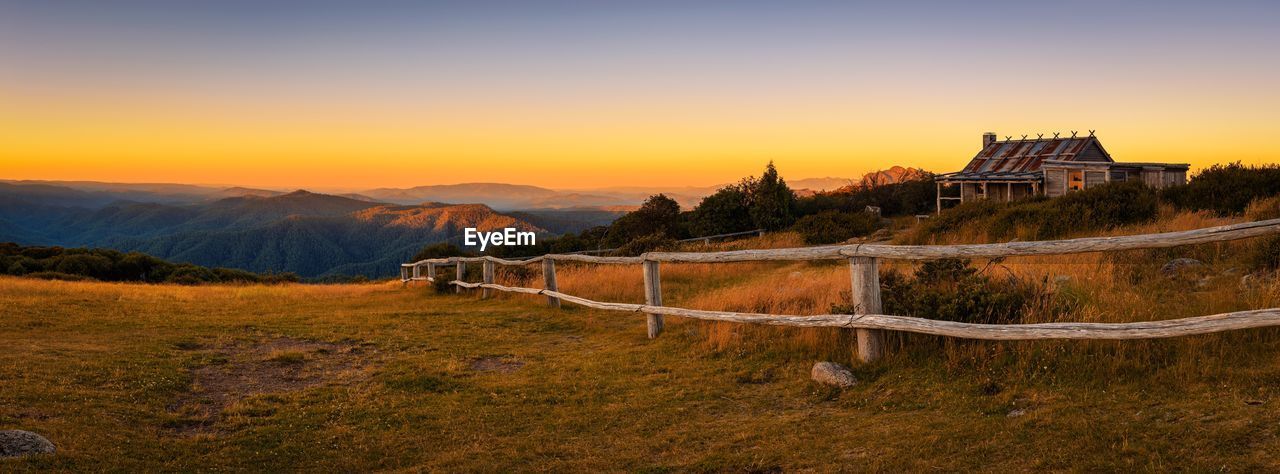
576, 95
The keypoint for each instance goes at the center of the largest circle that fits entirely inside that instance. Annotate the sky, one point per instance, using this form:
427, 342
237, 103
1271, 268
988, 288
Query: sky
362, 94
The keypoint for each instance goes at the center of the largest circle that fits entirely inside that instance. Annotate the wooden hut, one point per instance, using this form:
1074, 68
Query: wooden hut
1010, 169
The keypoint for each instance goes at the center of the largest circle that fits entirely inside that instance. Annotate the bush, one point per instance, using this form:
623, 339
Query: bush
648, 243
1098, 208
658, 215
191, 275
829, 227
1225, 189
951, 290
111, 265
279, 278
58, 276
724, 212
1266, 254
771, 204
907, 198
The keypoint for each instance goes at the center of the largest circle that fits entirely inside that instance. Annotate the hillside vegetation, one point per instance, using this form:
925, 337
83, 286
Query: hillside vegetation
376, 377
380, 377
313, 235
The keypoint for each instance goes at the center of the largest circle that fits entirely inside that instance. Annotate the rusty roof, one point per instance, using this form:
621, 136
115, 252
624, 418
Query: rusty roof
1014, 159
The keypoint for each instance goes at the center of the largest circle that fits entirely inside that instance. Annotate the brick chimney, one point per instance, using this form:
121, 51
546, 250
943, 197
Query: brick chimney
987, 139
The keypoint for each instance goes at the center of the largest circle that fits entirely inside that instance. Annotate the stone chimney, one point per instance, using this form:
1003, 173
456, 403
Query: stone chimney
987, 139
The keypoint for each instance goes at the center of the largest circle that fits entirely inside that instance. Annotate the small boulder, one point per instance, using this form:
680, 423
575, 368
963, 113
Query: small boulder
833, 374
1178, 266
15, 443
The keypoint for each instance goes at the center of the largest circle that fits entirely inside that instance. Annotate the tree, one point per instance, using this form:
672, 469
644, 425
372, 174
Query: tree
658, 215
772, 203
721, 213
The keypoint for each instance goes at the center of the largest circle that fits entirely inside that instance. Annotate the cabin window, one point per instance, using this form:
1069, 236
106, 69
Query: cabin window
1075, 182
1119, 175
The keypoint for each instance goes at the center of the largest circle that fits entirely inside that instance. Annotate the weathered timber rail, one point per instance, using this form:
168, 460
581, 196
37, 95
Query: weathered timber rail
864, 279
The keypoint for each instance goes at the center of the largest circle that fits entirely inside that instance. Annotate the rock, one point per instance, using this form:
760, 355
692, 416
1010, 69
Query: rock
1060, 279
14, 443
1177, 266
833, 374
1248, 281
881, 234
1017, 413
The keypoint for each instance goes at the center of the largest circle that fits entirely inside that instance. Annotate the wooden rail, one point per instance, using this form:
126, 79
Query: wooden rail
864, 280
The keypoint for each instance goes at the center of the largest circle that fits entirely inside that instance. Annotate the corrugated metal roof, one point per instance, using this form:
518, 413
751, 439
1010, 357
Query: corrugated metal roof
1015, 159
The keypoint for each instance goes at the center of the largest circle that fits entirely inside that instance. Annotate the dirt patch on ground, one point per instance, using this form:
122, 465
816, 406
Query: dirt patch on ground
274, 365
500, 364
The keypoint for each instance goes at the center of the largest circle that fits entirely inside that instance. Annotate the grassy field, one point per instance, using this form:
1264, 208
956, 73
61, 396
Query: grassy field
376, 377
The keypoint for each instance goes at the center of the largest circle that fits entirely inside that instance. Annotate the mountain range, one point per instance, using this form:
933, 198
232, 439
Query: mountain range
313, 234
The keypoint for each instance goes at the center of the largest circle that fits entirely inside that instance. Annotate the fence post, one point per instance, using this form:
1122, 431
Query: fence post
653, 296
488, 278
460, 274
549, 280
404, 276
864, 275
417, 270
431, 272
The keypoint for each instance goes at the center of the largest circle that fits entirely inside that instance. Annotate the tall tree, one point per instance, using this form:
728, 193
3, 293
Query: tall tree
721, 213
772, 203
658, 215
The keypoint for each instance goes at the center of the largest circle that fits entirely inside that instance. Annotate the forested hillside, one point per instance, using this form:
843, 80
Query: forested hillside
313, 235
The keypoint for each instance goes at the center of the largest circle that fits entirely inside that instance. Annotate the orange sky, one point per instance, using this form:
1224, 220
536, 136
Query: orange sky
545, 101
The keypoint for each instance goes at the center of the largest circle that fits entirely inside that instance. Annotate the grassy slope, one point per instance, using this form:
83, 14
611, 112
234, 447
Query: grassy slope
93, 367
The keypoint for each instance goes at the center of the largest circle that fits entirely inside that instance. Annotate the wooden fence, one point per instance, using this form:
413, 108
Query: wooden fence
865, 281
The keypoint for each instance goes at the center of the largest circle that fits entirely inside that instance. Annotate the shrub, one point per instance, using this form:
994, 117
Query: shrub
906, 198
648, 243
20, 267
771, 203
58, 276
658, 215
724, 212
1098, 208
1266, 254
951, 290
279, 278
829, 227
187, 274
1225, 189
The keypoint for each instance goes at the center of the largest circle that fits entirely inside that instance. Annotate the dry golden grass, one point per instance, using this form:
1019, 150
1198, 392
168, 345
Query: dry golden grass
97, 367
452, 383
1114, 287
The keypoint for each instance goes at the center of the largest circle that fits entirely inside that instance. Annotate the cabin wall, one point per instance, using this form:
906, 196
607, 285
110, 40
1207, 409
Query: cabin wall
1153, 177
1094, 178
1020, 190
998, 191
1055, 181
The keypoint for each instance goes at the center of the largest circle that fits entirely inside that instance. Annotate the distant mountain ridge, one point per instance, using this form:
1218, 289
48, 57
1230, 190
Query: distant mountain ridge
308, 233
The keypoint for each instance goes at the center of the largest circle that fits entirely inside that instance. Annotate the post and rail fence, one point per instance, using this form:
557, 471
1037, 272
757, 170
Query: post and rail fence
863, 260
